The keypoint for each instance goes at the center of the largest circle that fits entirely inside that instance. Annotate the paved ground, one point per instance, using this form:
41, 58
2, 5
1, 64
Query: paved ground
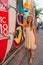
21, 58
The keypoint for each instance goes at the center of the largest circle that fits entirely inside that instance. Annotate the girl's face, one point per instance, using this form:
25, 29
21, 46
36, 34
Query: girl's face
29, 19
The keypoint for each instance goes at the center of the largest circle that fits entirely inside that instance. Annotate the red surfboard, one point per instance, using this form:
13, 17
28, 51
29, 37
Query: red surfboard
7, 23
3, 30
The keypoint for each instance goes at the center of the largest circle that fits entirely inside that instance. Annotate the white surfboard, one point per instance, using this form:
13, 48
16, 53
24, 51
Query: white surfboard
12, 22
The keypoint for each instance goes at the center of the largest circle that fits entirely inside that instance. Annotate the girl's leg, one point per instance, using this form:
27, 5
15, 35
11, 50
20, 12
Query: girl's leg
33, 53
31, 56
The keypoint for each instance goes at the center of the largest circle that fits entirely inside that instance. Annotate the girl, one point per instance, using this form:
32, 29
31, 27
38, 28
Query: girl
30, 37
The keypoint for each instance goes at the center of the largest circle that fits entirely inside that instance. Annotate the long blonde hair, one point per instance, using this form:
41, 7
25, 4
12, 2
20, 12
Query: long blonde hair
31, 21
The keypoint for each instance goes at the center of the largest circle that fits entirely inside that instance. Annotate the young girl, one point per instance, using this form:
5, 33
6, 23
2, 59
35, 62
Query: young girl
30, 37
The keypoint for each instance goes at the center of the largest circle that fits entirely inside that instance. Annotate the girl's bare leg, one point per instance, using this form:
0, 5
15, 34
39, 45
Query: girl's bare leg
31, 55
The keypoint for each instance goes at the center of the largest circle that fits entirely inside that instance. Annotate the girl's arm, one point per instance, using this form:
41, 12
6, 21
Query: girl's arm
19, 22
34, 30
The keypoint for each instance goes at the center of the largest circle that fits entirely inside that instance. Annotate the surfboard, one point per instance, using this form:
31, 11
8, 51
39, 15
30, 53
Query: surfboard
19, 30
18, 37
28, 9
12, 22
7, 26
4, 28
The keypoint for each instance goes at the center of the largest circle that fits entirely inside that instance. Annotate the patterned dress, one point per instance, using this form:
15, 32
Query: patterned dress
29, 39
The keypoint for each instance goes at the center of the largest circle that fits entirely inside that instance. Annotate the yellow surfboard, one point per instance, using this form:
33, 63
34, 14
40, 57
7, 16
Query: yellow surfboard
28, 4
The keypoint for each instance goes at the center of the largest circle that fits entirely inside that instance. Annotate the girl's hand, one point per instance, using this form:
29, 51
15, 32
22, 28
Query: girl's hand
21, 14
34, 30
17, 17
17, 14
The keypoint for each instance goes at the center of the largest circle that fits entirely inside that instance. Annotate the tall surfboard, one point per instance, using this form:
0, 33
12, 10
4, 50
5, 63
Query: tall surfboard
28, 9
4, 28
18, 36
12, 22
7, 26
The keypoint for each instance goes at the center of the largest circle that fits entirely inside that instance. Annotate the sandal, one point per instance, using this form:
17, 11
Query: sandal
30, 61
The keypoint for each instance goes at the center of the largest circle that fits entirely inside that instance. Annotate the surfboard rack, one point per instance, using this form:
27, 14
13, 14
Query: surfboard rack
7, 8
10, 6
3, 5
8, 36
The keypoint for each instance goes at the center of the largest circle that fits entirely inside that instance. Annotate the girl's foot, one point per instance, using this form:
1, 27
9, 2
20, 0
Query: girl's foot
30, 61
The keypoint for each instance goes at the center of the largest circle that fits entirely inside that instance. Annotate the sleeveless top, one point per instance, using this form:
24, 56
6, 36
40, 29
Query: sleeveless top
29, 39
